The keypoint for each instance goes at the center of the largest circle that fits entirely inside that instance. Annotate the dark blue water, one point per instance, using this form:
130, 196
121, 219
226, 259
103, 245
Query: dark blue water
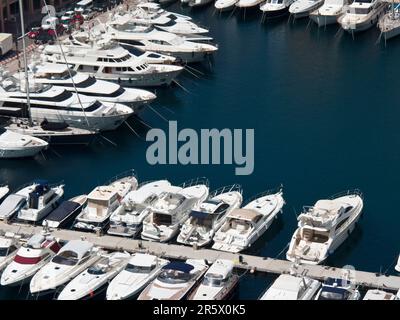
325, 112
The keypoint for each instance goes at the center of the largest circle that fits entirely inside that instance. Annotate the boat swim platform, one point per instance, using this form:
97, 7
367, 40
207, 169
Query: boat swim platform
242, 261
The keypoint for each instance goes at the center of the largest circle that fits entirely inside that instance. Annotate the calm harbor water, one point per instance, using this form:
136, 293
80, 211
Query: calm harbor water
325, 115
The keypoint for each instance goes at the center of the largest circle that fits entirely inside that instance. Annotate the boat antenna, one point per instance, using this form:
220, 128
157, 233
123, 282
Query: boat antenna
28, 101
66, 63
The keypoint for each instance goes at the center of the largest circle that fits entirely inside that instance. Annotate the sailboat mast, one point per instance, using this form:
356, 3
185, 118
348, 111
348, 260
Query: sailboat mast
28, 101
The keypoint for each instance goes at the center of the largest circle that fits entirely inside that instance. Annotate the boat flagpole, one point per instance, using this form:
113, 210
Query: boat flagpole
28, 101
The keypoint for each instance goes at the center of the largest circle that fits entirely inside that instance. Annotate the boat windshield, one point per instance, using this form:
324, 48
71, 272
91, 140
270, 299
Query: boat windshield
213, 280
67, 258
59, 76
133, 27
275, 1
174, 276
334, 294
4, 251
96, 270
138, 269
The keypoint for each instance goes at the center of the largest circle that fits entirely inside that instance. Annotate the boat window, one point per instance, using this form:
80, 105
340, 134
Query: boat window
334, 294
96, 270
138, 269
174, 276
213, 280
64, 95
222, 208
169, 23
341, 223
67, 258
5, 251
161, 218
348, 209
27, 260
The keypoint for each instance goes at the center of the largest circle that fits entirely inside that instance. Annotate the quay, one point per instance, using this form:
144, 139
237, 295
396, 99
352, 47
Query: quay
242, 261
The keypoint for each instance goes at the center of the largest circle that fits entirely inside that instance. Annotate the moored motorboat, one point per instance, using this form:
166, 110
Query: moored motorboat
103, 201
244, 226
206, 218
175, 280
171, 209
95, 279
362, 15
302, 8
42, 198
72, 259
16, 145
67, 211
127, 220
275, 8
376, 294
338, 289
389, 23
9, 244
289, 287
219, 282
324, 227
329, 12
32, 255
138, 273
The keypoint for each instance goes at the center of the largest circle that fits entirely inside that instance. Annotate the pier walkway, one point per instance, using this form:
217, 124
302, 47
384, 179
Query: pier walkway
243, 261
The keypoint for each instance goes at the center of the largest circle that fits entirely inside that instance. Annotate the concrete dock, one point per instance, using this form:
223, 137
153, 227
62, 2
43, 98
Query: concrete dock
243, 261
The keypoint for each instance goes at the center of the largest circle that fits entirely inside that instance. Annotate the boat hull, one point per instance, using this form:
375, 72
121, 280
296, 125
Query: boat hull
322, 20
12, 153
271, 14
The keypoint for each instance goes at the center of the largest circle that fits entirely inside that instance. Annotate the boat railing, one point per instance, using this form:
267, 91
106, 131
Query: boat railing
125, 174
51, 185
347, 193
194, 182
225, 189
265, 193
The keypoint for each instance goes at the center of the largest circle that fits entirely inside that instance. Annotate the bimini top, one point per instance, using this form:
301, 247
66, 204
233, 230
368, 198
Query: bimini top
244, 214
143, 260
36, 241
179, 266
78, 246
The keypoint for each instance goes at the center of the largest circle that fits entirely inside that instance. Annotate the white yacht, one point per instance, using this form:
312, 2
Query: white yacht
175, 281
4, 190
16, 145
171, 209
324, 227
302, 8
225, 5
95, 279
138, 273
152, 8
12, 204
103, 201
247, 4
166, 22
275, 8
288, 287
56, 104
389, 23
375, 294
9, 245
59, 75
107, 60
219, 282
329, 12
32, 255
244, 226
206, 218
71, 260
362, 15
127, 220
337, 289
42, 198
85, 39
147, 38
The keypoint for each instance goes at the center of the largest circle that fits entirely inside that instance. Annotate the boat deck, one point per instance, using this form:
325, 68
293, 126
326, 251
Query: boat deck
242, 261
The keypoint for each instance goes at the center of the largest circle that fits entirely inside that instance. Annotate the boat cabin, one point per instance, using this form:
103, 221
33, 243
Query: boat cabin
7, 246
241, 220
219, 273
209, 213
141, 263
101, 201
41, 195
